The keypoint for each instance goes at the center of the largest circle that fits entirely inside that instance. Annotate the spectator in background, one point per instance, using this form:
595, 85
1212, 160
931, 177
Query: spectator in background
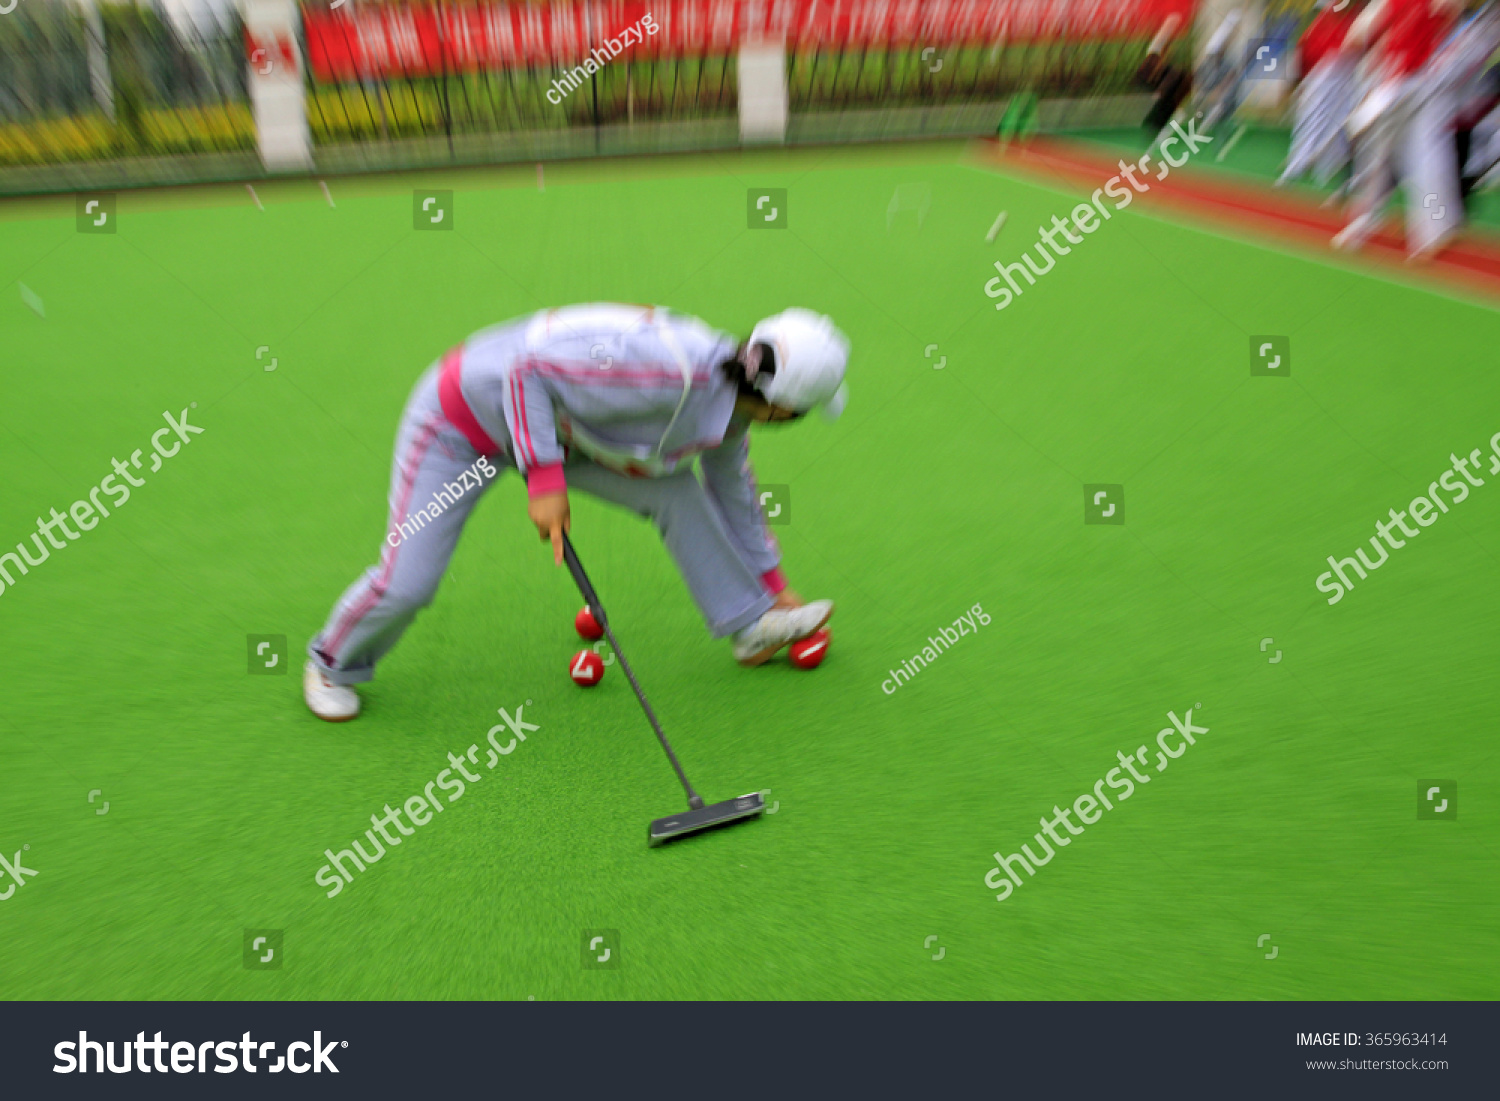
1403, 127
1464, 61
1220, 76
1476, 158
1325, 97
1170, 82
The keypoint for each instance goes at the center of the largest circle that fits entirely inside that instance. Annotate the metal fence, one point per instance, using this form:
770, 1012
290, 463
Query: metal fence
125, 94
120, 81
513, 99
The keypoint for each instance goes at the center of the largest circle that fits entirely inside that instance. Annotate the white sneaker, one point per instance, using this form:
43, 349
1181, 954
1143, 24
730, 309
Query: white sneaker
337, 703
1352, 237
759, 642
1425, 256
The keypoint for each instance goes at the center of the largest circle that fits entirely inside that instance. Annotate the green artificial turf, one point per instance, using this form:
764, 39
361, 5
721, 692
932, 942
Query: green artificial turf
1295, 815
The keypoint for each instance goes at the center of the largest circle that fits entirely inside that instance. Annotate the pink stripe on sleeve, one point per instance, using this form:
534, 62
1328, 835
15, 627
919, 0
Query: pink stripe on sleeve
523, 431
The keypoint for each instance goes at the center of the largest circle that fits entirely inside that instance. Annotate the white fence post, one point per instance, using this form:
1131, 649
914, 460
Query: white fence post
99, 81
276, 95
763, 92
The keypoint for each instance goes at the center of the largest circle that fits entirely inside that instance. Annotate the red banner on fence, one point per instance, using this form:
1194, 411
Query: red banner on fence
432, 39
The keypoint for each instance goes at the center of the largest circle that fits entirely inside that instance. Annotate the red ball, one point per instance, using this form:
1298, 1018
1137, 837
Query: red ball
808, 653
587, 669
587, 626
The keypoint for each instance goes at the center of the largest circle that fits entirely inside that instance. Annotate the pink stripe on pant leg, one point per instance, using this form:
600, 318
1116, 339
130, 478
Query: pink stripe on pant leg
388, 554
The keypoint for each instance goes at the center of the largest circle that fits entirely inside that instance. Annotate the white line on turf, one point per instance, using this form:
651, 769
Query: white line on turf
324, 185
254, 196
995, 229
1231, 143
32, 299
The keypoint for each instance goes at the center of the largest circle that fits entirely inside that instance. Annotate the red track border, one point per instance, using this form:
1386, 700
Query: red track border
1472, 263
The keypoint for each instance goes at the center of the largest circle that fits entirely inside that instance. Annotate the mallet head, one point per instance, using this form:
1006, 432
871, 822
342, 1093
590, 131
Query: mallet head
707, 818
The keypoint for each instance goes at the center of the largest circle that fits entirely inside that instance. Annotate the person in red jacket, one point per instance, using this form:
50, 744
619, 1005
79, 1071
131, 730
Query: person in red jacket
1403, 127
1415, 31
1325, 97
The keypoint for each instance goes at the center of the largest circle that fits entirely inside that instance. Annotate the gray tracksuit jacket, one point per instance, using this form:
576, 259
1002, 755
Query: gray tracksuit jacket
634, 388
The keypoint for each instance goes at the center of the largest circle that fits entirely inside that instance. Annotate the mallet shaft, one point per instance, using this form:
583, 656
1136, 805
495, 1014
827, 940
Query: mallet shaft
591, 598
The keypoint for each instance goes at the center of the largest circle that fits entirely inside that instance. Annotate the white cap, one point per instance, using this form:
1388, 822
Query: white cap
811, 357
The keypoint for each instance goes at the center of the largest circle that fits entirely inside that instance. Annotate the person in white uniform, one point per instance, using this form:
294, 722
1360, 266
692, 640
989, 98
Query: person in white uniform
617, 401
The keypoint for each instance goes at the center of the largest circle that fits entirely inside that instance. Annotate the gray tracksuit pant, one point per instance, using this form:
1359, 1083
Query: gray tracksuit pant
438, 472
